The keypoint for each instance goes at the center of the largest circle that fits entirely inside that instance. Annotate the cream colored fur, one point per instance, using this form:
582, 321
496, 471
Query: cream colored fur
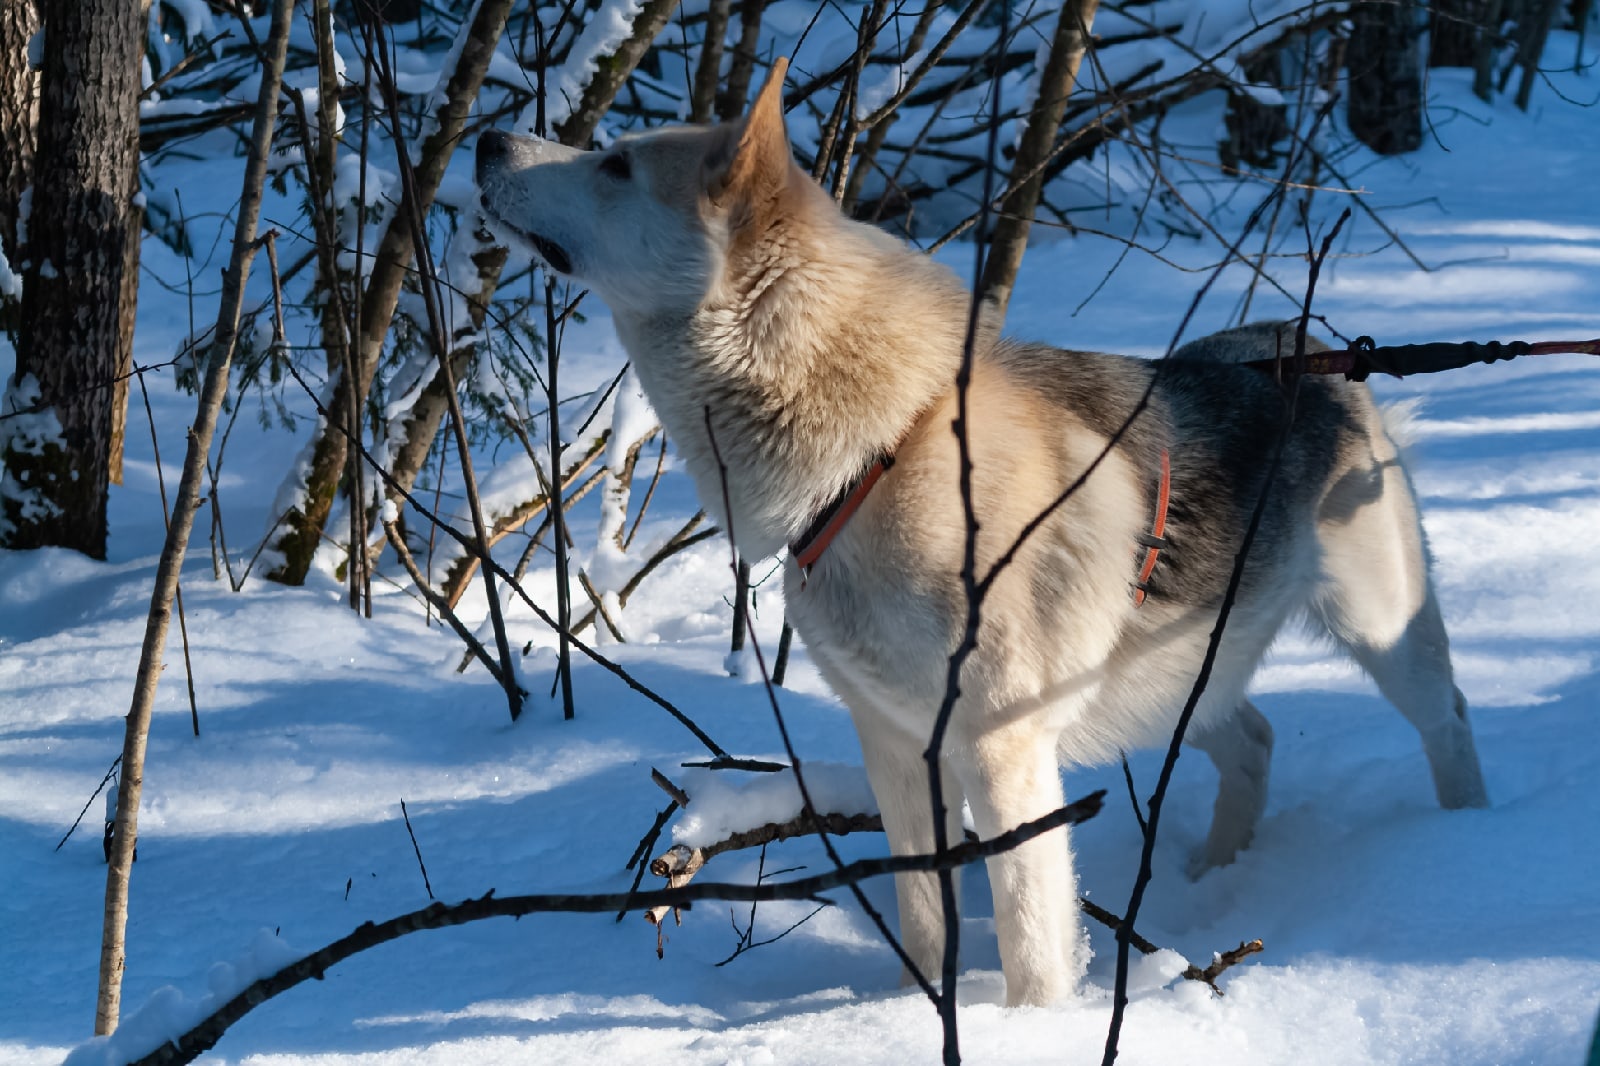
812, 344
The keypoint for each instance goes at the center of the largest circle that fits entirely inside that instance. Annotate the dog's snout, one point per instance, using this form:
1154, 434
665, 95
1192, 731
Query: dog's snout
493, 148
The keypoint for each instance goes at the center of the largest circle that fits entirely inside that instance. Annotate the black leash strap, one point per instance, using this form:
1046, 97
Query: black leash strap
1364, 357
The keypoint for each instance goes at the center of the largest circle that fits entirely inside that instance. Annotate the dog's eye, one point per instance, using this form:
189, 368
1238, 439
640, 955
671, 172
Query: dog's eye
616, 166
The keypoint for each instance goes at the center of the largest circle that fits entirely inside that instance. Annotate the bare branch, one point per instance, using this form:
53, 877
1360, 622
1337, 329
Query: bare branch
204, 1035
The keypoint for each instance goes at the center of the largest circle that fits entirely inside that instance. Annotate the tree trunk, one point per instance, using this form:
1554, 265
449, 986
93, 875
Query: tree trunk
19, 20
1532, 50
1483, 56
1457, 29
1060, 74
136, 733
731, 101
1385, 66
57, 463
709, 72
611, 71
392, 261
414, 436
1255, 129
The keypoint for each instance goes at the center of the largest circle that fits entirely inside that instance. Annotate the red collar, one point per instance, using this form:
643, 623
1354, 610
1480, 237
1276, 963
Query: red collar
831, 519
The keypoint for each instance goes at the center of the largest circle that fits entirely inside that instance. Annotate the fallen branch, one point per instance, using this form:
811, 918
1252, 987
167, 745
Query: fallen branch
679, 864
204, 1035
1220, 961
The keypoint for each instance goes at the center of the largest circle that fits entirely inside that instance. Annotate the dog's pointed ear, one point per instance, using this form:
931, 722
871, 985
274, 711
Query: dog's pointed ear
757, 164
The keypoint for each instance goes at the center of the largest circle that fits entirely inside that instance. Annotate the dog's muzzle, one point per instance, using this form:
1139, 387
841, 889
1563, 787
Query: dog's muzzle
495, 151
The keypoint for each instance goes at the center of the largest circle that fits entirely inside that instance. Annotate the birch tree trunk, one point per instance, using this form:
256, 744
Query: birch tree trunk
57, 463
113, 946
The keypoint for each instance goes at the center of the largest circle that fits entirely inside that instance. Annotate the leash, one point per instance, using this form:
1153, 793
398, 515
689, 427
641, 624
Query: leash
1364, 357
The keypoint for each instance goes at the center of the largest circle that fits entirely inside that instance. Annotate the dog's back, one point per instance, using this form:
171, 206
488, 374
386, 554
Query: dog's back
788, 349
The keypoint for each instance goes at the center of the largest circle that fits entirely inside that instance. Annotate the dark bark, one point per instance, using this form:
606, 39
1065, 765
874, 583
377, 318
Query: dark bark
1385, 66
79, 228
731, 101
1255, 129
1458, 30
709, 71
18, 107
1532, 50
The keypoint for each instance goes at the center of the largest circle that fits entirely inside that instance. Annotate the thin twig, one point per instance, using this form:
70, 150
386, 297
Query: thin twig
795, 765
410, 832
488, 561
111, 772
600, 607
1119, 1001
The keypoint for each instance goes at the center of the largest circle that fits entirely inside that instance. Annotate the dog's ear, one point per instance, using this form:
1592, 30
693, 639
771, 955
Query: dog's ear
756, 166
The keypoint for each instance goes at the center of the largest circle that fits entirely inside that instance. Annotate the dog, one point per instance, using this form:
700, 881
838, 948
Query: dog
806, 367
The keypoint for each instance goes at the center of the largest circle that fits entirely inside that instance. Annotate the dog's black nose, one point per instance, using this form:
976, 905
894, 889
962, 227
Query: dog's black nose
493, 147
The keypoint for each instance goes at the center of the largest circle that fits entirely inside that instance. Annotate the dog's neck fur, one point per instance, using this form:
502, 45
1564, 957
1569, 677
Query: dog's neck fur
806, 297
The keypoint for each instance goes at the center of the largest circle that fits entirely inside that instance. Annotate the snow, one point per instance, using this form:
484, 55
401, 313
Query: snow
10, 280
1395, 933
26, 430
607, 27
721, 804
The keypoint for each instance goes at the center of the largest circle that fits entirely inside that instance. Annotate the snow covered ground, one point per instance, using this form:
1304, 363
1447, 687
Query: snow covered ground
1394, 932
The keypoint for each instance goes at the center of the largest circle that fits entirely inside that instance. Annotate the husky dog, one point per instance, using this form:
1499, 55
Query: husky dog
793, 354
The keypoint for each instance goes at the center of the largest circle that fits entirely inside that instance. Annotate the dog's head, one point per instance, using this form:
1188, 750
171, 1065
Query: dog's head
647, 223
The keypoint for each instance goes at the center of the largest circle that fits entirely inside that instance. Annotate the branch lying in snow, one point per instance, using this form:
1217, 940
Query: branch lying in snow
204, 1036
1220, 961
679, 863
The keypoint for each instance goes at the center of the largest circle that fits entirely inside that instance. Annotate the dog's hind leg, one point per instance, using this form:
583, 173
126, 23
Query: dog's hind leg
1240, 747
1377, 600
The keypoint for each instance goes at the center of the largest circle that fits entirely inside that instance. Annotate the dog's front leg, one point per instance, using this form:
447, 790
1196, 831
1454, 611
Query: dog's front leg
1011, 776
899, 779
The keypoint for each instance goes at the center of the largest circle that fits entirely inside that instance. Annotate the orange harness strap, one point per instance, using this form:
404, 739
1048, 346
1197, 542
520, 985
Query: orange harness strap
1155, 540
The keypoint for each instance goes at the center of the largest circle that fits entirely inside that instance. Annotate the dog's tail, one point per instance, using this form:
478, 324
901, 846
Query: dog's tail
1401, 421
